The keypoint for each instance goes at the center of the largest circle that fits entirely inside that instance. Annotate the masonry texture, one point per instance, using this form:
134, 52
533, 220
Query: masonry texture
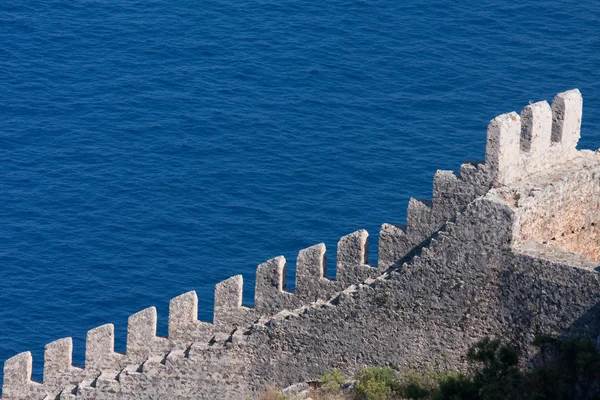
507, 247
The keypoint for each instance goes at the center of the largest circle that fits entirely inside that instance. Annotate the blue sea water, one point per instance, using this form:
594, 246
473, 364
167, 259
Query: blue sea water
148, 148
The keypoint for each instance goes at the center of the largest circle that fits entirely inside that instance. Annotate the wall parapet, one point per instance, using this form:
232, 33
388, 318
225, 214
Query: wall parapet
538, 139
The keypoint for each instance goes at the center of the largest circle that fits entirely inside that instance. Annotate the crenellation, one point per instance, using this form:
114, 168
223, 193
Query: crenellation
141, 335
100, 348
229, 311
17, 383
536, 130
567, 108
58, 368
476, 181
183, 314
270, 294
418, 219
502, 153
471, 171
354, 248
184, 326
393, 245
446, 186
451, 193
57, 360
17, 371
17, 375
547, 136
311, 271
353, 258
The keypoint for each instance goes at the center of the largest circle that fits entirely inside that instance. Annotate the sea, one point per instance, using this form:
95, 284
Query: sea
149, 148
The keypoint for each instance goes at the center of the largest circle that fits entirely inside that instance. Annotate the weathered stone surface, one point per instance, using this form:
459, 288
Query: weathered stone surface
353, 257
100, 348
503, 147
394, 244
311, 270
567, 108
141, 335
57, 359
270, 293
229, 311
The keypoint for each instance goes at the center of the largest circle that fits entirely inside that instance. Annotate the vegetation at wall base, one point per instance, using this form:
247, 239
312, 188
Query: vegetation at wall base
566, 369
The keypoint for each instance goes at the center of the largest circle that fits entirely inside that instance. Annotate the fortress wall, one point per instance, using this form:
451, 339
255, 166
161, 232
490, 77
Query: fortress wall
358, 324
466, 285
396, 319
228, 303
58, 368
353, 259
448, 287
103, 364
271, 296
394, 244
566, 212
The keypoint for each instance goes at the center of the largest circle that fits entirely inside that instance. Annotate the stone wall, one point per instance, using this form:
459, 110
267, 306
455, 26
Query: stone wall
472, 262
564, 214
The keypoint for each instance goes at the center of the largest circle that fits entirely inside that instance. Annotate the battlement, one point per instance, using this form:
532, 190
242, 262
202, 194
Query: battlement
517, 190
184, 328
539, 139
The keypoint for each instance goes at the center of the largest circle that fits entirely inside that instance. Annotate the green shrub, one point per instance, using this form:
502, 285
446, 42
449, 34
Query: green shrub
418, 385
415, 391
373, 390
497, 376
332, 381
377, 383
567, 370
456, 386
570, 370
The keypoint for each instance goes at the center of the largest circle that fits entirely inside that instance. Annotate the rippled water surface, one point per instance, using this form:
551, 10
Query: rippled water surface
150, 148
